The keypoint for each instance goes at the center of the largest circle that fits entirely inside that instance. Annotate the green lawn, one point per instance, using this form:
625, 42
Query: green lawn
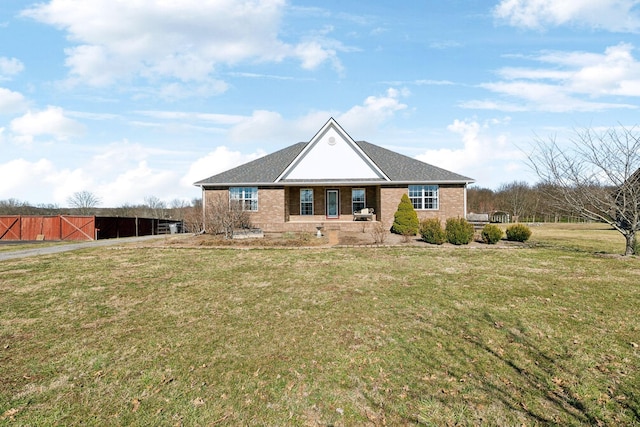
406, 335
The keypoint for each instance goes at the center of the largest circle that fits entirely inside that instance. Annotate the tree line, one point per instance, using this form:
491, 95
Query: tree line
522, 201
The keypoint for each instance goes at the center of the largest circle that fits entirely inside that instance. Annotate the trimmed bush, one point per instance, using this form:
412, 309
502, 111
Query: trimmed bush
405, 220
458, 231
432, 232
518, 233
491, 234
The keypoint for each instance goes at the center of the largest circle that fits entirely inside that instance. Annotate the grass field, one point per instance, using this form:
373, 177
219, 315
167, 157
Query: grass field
404, 335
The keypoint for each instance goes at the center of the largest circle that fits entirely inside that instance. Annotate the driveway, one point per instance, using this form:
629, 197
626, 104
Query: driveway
47, 250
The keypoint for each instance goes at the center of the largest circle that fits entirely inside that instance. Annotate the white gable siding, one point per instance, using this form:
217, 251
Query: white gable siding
332, 156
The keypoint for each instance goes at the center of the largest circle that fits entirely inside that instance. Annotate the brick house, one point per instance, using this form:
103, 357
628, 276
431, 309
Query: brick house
323, 182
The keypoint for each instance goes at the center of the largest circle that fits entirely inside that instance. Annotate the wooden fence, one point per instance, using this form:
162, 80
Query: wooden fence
74, 227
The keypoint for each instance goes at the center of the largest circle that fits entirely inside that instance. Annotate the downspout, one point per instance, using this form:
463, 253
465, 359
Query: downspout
465, 200
203, 207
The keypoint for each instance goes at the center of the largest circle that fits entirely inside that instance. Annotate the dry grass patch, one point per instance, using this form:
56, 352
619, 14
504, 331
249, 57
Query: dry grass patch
328, 336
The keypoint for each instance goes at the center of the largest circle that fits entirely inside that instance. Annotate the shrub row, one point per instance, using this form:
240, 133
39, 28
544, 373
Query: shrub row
459, 231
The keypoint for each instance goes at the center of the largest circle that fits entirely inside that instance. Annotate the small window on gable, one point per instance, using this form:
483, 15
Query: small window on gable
306, 201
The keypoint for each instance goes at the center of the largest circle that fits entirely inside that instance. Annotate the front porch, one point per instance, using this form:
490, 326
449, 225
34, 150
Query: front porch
303, 224
331, 204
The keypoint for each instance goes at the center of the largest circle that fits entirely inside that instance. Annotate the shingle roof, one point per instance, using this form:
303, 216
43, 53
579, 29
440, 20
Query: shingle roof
398, 167
264, 170
401, 168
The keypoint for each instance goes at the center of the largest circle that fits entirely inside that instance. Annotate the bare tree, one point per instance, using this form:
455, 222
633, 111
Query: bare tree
192, 217
597, 177
157, 208
84, 201
517, 198
481, 200
13, 207
224, 215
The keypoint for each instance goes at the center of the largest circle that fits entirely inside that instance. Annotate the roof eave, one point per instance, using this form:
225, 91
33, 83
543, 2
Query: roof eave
325, 183
235, 184
437, 181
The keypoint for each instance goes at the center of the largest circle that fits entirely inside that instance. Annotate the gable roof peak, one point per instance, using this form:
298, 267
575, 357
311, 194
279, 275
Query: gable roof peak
332, 154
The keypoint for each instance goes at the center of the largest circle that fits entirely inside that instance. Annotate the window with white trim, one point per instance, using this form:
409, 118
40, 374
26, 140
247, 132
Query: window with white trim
424, 197
247, 197
358, 201
306, 201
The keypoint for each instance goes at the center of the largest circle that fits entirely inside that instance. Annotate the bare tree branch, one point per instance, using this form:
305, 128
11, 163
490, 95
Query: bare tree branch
84, 201
597, 176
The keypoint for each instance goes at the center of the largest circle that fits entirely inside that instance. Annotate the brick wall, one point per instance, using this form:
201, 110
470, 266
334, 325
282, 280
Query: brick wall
271, 205
389, 200
276, 206
451, 203
271, 208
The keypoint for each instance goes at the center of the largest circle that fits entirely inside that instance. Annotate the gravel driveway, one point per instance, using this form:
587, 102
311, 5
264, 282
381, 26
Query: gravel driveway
46, 250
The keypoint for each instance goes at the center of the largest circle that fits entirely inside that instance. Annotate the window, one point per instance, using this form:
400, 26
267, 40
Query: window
424, 196
306, 201
247, 197
358, 201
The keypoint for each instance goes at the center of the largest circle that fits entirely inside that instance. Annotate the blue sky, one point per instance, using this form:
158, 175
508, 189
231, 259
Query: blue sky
135, 98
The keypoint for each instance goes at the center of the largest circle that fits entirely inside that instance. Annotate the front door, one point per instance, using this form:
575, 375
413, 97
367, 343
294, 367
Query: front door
332, 204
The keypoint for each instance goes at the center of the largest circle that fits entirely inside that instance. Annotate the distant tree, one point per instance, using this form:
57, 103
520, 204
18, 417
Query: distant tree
481, 200
193, 216
48, 208
405, 220
157, 208
517, 198
597, 176
13, 207
84, 202
546, 207
126, 210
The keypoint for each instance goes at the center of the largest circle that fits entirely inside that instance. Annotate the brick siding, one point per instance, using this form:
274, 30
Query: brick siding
279, 209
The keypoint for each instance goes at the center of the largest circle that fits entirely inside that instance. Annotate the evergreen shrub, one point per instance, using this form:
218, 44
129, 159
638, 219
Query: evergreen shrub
518, 233
432, 232
405, 220
458, 231
491, 234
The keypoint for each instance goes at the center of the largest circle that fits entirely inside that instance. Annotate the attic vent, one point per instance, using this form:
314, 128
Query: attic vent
332, 140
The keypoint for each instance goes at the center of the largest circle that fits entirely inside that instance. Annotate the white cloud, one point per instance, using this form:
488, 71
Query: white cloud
313, 54
573, 81
219, 160
183, 40
51, 121
487, 156
363, 119
610, 15
134, 184
11, 102
25, 176
9, 67
223, 119
119, 173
